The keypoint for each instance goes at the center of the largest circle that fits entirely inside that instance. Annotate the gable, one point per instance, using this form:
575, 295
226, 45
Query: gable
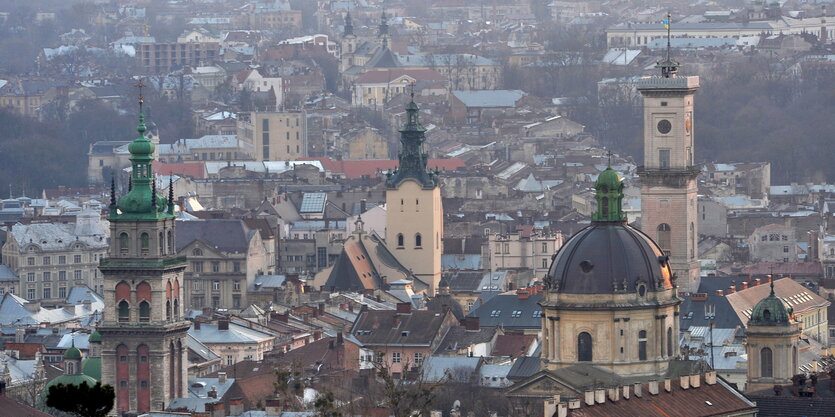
542, 384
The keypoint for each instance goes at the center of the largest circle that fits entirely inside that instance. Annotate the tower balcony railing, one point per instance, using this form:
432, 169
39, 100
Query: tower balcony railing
661, 83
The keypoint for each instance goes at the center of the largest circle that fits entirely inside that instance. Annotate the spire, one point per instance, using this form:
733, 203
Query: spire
154, 193
668, 67
412, 157
113, 191
349, 25
771, 279
384, 25
171, 194
609, 195
130, 184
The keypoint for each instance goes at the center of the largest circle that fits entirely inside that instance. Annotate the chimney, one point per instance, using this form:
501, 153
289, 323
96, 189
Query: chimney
600, 396
588, 397
719, 293
404, 308
732, 289
223, 324
236, 406
363, 308
695, 381
613, 394
213, 392
196, 325
339, 339
710, 377
744, 285
653, 387
317, 335
350, 307
755, 282
396, 322
626, 392
768, 279
562, 410
272, 407
684, 381
221, 377
472, 324
363, 205
574, 404
668, 384
20, 334
321, 309
637, 388
550, 407
523, 294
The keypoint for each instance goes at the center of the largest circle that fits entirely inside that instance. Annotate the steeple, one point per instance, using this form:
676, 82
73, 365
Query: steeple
141, 202
349, 25
609, 195
412, 157
384, 25
668, 67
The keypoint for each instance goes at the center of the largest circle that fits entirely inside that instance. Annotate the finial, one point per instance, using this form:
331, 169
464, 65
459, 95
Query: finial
140, 85
609, 154
668, 67
154, 192
412, 90
113, 190
171, 194
130, 182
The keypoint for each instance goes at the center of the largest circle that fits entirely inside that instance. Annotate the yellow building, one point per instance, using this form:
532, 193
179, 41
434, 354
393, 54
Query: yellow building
275, 136
366, 143
414, 209
375, 88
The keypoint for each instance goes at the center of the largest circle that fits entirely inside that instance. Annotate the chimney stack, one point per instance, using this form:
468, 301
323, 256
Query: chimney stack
213, 392
272, 407
744, 285
574, 404
720, 293
321, 309
523, 294
653, 387
562, 410
638, 388
600, 396
404, 308
710, 377
472, 324
668, 384
755, 282
223, 324
236, 406
221, 377
684, 381
625, 389
588, 397
732, 289
613, 394
196, 325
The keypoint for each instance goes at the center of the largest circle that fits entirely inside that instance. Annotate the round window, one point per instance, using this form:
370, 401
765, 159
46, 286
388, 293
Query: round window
664, 126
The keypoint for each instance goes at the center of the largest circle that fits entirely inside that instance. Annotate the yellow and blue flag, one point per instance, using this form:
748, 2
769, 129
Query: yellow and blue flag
666, 23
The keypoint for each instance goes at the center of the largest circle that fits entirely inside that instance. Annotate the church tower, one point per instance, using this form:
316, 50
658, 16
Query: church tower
668, 176
415, 215
348, 47
771, 342
384, 35
143, 331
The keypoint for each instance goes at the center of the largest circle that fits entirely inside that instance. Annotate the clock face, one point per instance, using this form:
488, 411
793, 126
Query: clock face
664, 126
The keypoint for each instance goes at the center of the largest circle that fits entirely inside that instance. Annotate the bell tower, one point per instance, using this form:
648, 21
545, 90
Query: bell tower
143, 333
348, 46
668, 176
414, 211
771, 343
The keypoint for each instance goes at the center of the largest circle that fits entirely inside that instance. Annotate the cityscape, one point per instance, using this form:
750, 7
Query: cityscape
426, 208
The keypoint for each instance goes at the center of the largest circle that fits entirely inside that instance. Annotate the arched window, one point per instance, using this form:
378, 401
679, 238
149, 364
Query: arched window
584, 347
766, 365
766, 315
168, 310
670, 342
664, 238
144, 311
605, 209
170, 243
176, 309
124, 311
418, 240
144, 243
197, 252
642, 345
400, 240
124, 243
70, 368
161, 244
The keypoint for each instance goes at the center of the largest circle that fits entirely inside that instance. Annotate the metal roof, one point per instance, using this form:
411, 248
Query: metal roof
313, 203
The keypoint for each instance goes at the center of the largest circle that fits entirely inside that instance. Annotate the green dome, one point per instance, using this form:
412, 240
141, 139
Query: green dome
92, 368
72, 353
94, 337
608, 178
141, 147
67, 380
609, 195
771, 311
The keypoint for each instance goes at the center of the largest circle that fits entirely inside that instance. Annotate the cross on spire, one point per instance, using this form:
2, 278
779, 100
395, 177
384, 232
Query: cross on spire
609, 155
140, 85
412, 90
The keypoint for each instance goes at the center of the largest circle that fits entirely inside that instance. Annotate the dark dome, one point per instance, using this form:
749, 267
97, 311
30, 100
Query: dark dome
604, 257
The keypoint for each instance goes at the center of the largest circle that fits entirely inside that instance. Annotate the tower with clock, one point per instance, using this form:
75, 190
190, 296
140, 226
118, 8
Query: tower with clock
668, 176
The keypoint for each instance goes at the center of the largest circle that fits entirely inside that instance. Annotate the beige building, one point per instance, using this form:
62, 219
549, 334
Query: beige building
668, 177
464, 71
275, 136
414, 210
162, 57
366, 143
773, 243
51, 258
233, 342
375, 88
224, 257
525, 249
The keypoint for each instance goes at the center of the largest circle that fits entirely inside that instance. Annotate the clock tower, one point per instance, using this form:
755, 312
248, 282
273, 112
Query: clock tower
668, 176
143, 334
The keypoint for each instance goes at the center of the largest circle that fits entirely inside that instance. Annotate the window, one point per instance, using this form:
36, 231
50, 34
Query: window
642, 345
764, 238
236, 285
230, 360
47, 292
418, 358
30, 261
516, 313
215, 302
216, 285
30, 277
544, 263
197, 266
47, 260
30, 294
144, 311
124, 243
584, 347
544, 247
507, 248
236, 266
537, 314
495, 313
77, 275
785, 249
215, 266
76, 259
197, 252
124, 311
664, 236
47, 276
664, 158
62, 260
670, 341
395, 357
418, 240
236, 301
766, 365
400, 240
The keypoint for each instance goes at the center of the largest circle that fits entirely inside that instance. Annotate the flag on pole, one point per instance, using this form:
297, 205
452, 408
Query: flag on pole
666, 23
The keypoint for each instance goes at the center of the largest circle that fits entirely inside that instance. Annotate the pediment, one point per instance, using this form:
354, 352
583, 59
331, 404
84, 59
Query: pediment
542, 384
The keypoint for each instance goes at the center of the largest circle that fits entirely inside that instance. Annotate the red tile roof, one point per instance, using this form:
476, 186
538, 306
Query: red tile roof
13, 408
183, 169
382, 76
371, 167
513, 345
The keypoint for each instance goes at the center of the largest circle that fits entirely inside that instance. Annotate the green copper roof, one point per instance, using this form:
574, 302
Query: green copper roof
412, 157
92, 368
609, 195
94, 337
771, 311
66, 380
72, 353
142, 201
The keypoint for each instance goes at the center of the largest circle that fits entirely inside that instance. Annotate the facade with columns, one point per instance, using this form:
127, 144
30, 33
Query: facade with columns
668, 176
143, 345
